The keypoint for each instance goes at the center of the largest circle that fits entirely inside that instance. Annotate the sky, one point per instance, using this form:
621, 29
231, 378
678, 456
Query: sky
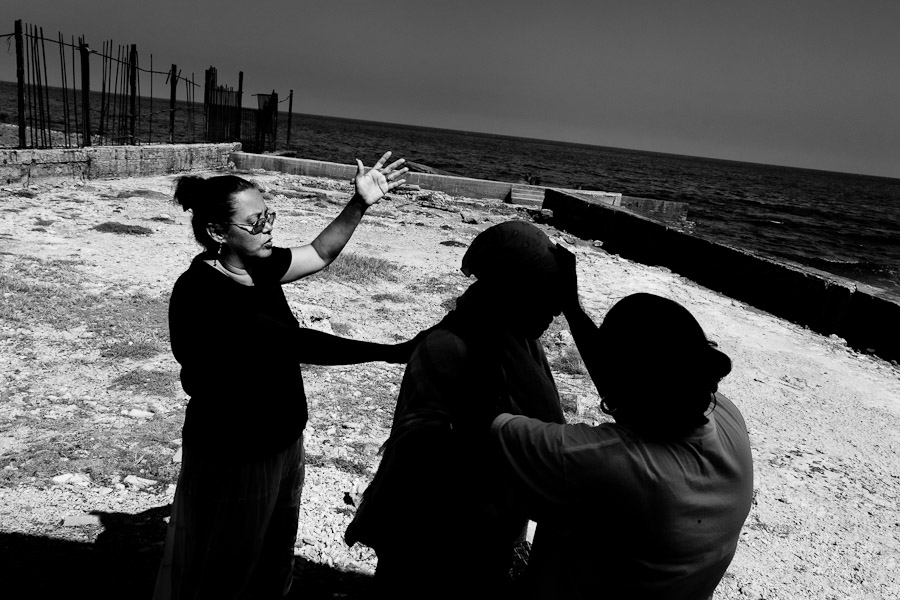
804, 83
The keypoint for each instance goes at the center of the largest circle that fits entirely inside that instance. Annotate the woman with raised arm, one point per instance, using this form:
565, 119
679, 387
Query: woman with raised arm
235, 513
651, 505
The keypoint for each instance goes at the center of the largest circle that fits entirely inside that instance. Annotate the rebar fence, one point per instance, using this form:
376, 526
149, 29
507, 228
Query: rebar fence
68, 94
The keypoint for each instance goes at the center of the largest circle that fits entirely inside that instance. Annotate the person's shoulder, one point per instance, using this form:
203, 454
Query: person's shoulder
728, 417
195, 271
725, 407
195, 282
271, 269
442, 345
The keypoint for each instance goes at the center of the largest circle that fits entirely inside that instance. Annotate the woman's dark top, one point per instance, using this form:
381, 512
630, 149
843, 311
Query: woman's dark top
237, 346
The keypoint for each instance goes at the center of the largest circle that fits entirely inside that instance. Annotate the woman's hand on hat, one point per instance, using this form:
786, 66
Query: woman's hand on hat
372, 185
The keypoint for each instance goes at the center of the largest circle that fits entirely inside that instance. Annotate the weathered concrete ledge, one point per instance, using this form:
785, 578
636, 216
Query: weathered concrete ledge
821, 301
24, 166
455, 186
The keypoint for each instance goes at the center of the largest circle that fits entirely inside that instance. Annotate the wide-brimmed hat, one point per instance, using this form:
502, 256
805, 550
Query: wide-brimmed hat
650, 335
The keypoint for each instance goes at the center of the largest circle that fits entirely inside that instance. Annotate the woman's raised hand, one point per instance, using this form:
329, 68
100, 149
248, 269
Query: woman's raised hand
373, 184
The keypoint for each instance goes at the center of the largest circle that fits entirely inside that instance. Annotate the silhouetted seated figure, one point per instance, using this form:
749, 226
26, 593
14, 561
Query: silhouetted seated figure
433, 512
650, 506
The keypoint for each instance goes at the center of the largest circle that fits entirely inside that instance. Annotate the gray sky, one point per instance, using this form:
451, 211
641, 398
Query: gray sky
806, 83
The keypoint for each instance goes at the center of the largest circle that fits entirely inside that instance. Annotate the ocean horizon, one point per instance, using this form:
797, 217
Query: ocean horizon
842, 223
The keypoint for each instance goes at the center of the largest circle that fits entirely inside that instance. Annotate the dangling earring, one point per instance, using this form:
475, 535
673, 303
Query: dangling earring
605, 407
218, 255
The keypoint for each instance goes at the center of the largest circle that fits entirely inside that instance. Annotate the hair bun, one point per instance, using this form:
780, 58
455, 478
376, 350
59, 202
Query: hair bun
188, 191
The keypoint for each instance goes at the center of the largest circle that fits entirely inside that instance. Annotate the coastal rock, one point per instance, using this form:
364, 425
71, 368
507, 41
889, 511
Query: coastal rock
468, 217
79, 479
81, 520
136, 413
139, 482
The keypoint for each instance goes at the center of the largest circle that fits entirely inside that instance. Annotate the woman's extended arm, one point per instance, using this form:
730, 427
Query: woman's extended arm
319, 348
370, 187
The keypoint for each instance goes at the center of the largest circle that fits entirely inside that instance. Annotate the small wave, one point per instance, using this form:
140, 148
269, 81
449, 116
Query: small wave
853, 268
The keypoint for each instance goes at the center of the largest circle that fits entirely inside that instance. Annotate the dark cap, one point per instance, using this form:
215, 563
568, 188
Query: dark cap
510, 251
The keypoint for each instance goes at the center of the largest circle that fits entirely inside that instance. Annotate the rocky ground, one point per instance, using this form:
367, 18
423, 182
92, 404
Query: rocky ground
90, 409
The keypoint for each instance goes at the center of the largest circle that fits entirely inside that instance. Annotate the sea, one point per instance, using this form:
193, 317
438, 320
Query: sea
842, 223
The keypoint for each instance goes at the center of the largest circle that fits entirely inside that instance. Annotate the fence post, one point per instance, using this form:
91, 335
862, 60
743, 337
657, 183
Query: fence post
208, 86
173, 85
290, 112
132, 122
85, 92
240, 100
20, 81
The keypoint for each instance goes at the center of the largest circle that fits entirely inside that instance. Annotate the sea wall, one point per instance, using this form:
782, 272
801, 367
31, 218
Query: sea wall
24, 166
823, 302
455, 186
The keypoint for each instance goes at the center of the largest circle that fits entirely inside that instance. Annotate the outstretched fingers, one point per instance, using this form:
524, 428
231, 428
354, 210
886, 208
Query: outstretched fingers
393, 184
392, 175
394, 165
382, 160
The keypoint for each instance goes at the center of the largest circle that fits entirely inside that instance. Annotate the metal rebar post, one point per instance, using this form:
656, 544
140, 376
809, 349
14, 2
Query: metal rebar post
132, 123
173, 88
85, 93
20, 82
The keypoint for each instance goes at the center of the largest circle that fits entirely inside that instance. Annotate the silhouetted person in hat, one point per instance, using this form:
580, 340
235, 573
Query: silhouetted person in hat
434, 511
651, 505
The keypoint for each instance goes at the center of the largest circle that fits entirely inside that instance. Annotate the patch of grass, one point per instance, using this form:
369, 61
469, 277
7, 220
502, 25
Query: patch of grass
449, 303
143, 194
153, 383
341, 328
104, 454
357, 268
163, 219
448, 284
50, 293
569, 362
315, 460
349, 466
123, 349
559, 324
122, 228
390, 297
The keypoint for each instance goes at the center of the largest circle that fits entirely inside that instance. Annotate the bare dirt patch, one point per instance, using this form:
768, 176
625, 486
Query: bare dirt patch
88, 388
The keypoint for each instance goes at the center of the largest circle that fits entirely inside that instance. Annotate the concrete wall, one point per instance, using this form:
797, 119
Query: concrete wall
24, 166
455, 186
823, 302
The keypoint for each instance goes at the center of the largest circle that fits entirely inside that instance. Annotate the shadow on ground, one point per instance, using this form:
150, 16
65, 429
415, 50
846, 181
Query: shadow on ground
314, 581
123, 561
